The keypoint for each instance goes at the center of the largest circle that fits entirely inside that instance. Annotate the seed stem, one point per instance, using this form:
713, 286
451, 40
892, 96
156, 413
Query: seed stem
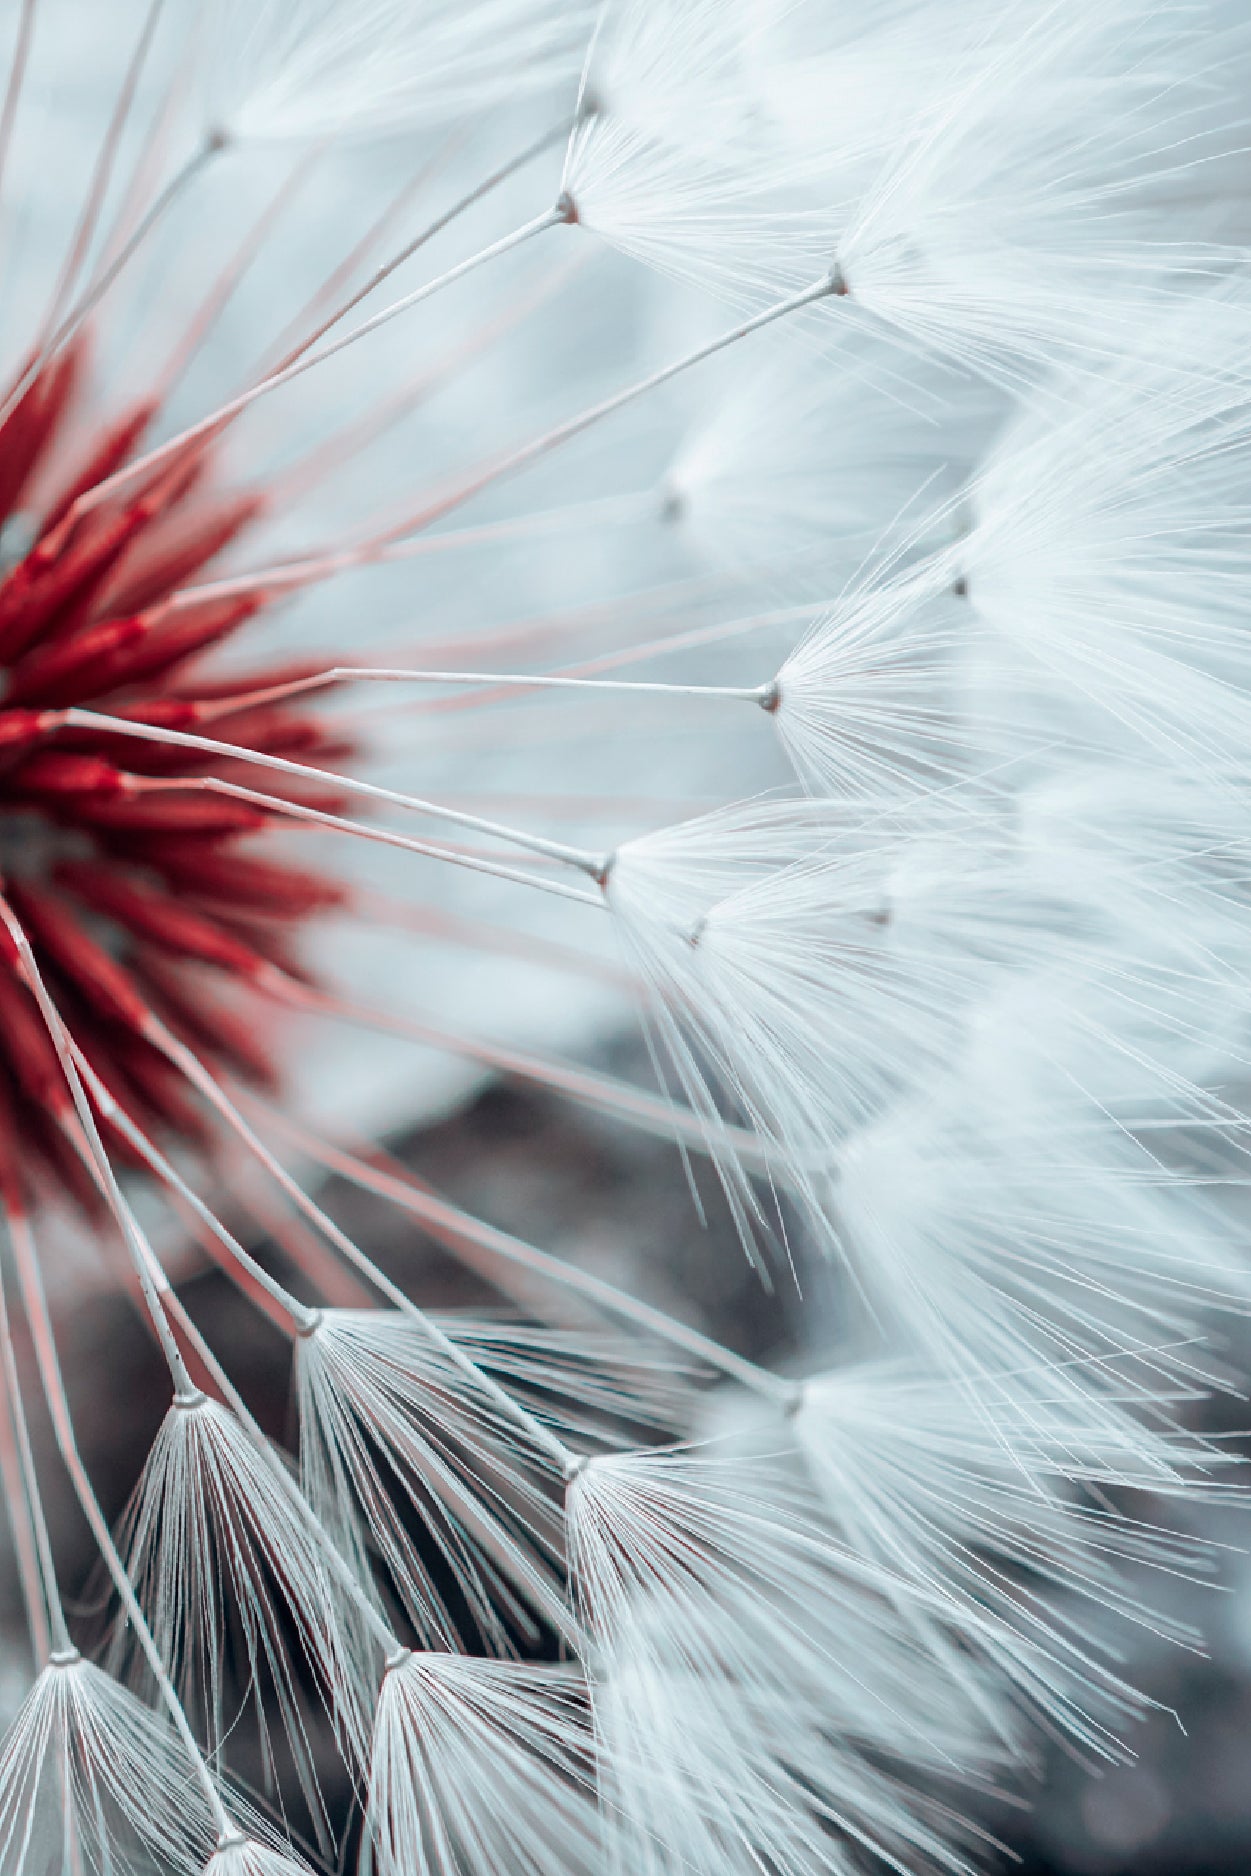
465, 202
141, 1252
584, 862
225, 414
302, 1320
574, 426
17, 78
452, 1223
64, 329
188, 1063
139, 785
44, 1610
300, 1317
31, 1284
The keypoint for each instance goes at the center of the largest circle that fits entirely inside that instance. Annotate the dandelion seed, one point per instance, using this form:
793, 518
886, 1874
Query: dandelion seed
89, 1774
244, 1856
818, 987
217, 1543
442, 1719
384, 1417
980, 1493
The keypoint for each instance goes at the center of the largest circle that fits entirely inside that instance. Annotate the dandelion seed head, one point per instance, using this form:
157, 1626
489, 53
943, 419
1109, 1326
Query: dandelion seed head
389, 606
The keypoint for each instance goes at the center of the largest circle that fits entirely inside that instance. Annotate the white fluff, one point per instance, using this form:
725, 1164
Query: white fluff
1017, 217
730, 1626
873, 699
999, 1498
738, 1655
797, 469
483, 1767
1018, 1232
275, 72
89, 1776
224, 1554
1109, 544
388, 1422
813, 963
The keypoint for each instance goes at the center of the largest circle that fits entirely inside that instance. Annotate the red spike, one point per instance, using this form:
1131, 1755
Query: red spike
59, 772
52, 588
120, 651
239, 880
167, 713
209, 815
20, 731
201, 1020
29, 1051
172, 555
18, 627
181, 633
268, 939
268, 678
68, 672
115, 446
152, 914
53, 925
31, 425
143, 756
55, 588
276, 730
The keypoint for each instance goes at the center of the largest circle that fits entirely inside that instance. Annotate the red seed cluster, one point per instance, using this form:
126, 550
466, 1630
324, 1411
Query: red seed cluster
125, 875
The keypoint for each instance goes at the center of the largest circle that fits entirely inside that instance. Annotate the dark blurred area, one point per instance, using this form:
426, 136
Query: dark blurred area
624, 1206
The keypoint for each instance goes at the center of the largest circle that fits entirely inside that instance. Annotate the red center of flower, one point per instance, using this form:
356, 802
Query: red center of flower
125, 872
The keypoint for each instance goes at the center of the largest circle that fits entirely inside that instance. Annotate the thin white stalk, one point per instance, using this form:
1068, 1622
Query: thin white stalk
450, 1220
302, 1319
44, 1609
226, 413
590, 863
141, 1252
827, 286
607, 661
376, 549
300, 1316
380, 275
517, 680
22, 1531
139, 785
396, 538
36, 1303
567, 1462
201, 1078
